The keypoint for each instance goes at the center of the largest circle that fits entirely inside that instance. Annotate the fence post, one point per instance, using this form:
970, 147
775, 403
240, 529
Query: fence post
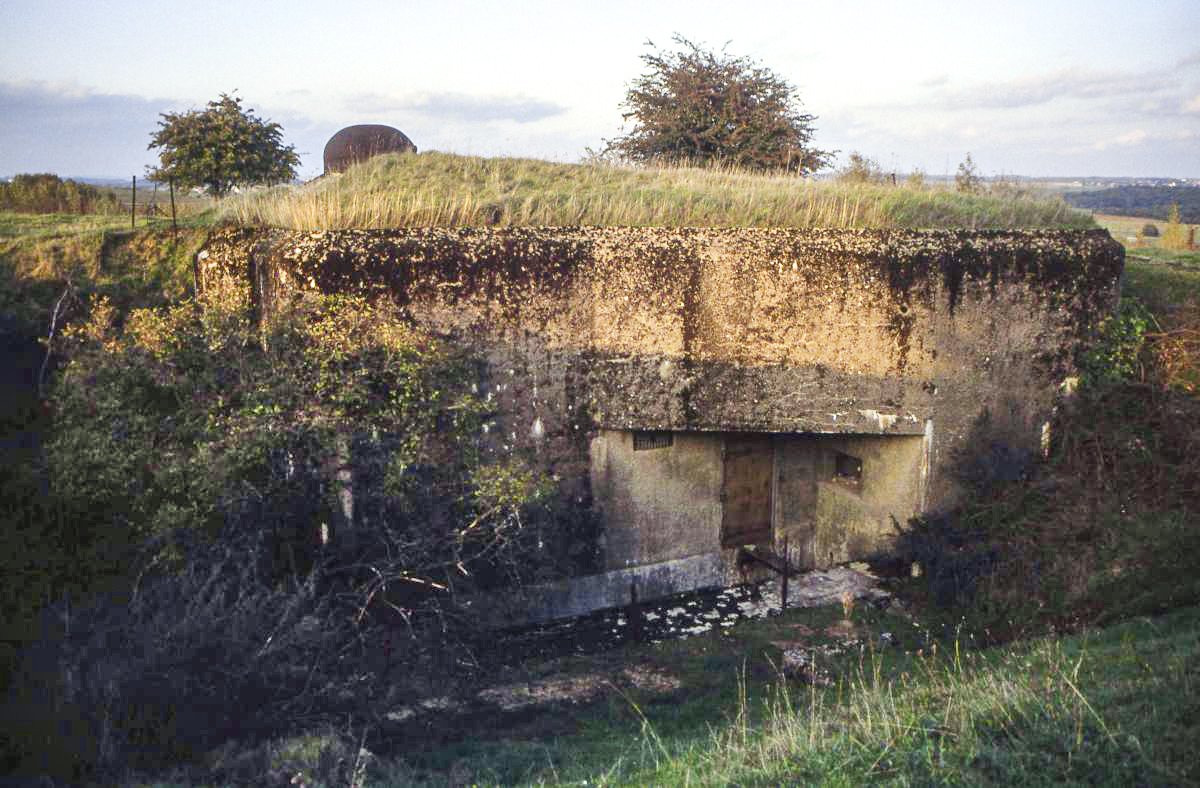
133, 205
174, 226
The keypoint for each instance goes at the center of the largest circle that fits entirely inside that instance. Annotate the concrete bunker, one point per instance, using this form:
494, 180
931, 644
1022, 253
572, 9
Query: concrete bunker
703, 389
667, 495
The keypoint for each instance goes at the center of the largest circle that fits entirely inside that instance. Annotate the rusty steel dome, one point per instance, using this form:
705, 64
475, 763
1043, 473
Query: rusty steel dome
359, 143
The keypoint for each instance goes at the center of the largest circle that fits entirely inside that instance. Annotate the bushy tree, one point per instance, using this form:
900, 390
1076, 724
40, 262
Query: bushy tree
47, 193
702, 107
861, 169
968, 179
221, 147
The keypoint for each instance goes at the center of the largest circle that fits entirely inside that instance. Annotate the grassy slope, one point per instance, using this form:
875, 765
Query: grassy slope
97, 254
437, 189
1113, 707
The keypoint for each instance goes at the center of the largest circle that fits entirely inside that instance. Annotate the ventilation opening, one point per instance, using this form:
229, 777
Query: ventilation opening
652, 440
847, 469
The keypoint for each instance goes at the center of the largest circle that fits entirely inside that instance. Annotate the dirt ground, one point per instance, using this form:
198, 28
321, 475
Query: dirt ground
543, 693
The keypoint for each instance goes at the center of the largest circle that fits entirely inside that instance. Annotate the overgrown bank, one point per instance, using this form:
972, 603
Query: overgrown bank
53, 269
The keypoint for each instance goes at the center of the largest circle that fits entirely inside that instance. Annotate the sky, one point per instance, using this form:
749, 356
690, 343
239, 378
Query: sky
1046, 88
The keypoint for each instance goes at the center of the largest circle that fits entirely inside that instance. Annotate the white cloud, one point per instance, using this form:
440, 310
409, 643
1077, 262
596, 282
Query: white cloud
1135, 137
457, 107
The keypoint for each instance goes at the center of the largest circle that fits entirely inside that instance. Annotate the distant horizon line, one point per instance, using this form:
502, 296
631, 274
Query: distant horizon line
1189, 180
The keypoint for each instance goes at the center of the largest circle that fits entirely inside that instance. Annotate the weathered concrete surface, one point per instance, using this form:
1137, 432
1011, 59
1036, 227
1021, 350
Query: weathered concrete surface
658, 505
957, 339
832, 519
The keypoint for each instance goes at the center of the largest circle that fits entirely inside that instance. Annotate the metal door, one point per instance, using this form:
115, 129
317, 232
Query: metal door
746, 491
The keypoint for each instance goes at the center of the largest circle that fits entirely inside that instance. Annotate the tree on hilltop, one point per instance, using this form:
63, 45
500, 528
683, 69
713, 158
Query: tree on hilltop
700, 107
221, 147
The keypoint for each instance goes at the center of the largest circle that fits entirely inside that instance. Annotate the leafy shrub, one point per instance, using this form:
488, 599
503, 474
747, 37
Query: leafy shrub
218, 423
1176, 235
968, 179
282, 515
1102, 528
1118, 353
861, 169
943, 552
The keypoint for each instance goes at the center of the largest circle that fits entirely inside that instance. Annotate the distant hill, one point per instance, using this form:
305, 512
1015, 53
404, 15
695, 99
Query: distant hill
1150, 202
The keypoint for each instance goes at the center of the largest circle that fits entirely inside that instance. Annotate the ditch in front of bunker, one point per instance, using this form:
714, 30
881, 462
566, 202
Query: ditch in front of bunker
532, 675
678, 616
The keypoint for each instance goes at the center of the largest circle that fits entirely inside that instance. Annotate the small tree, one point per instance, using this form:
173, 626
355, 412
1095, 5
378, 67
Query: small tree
701, 107
968, 179
861, 169
221, 147
1176, 235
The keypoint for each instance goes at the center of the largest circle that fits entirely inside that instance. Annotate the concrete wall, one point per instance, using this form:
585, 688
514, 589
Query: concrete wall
914, 349
664, 503
657, 504
829, 518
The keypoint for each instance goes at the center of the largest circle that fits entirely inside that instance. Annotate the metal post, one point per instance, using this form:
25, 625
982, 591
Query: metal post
634, 614
784, 584
133, 205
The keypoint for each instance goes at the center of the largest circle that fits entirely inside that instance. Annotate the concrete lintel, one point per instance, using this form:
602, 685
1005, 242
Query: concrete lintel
847, 425
579, 596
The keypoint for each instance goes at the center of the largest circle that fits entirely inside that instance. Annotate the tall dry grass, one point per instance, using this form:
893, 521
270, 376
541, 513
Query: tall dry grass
439, 190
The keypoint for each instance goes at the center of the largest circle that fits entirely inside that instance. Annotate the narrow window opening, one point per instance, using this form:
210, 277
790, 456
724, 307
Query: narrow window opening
847, 469
652, 440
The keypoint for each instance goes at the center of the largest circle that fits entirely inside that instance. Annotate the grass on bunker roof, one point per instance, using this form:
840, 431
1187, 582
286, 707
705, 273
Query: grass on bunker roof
444, 190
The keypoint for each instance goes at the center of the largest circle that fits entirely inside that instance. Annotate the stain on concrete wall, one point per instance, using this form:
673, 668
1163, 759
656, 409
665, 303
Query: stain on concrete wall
590, 334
